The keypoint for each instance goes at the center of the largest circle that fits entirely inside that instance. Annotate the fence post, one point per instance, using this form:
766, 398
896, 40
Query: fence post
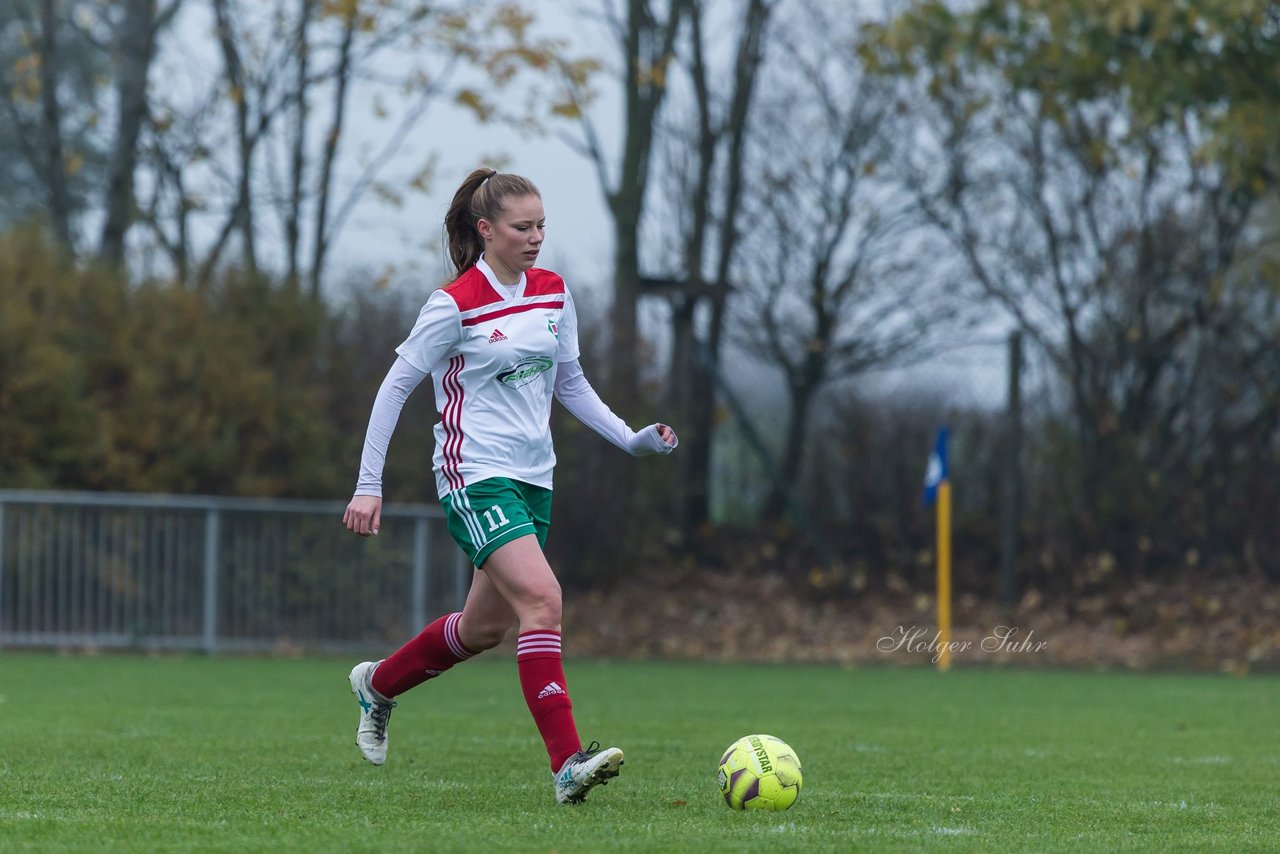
212, 540
418, 609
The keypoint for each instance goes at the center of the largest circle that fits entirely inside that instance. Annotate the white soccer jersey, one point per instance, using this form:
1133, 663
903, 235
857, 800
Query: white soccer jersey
492, 356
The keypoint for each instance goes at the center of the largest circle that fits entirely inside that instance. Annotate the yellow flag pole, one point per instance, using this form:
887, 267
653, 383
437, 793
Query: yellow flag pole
944, 574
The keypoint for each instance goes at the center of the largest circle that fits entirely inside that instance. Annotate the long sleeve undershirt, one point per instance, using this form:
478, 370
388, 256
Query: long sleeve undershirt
399, 383
576, 394
572, 390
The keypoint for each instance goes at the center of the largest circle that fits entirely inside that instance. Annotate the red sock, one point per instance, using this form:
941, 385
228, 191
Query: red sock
436, 648
542, 680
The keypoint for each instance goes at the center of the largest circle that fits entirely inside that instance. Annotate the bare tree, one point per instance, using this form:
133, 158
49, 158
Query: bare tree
248, 97
51, 123
298, 143
707, 176
133, 49
309, 50
187, 164
79, 61
836, 278
341, 83
1092, 215
42, 56
644, 35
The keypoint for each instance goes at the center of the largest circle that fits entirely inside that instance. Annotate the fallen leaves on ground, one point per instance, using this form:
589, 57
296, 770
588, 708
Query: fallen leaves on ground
761, 617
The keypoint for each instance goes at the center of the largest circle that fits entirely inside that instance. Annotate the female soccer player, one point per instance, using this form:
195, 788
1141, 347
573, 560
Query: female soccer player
498, 342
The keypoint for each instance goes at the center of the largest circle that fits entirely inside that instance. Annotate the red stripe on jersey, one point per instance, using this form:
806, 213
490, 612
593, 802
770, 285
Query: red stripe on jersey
539, 283
453, 423
515, 309
446, 420
472, 290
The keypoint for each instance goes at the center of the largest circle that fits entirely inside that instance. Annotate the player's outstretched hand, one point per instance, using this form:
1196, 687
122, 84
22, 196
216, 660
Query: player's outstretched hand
364, 515
667, 435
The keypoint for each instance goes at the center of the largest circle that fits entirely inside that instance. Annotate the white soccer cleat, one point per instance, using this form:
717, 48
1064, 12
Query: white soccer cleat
371, 734
585, 769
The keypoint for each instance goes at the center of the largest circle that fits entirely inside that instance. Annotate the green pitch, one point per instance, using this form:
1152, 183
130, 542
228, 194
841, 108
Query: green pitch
192, 754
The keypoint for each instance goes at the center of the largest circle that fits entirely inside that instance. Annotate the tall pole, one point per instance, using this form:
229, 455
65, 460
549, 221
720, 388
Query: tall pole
1011, 515
944, 575
937, 491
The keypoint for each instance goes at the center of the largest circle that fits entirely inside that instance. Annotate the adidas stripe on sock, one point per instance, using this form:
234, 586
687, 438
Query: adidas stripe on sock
541, 669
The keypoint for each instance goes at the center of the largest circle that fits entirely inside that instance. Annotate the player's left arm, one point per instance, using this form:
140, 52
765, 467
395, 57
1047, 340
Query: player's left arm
576, 394
574, 391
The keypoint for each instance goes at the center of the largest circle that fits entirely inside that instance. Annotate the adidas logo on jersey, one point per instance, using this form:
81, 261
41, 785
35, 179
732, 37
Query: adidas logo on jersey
497, 336
551, 689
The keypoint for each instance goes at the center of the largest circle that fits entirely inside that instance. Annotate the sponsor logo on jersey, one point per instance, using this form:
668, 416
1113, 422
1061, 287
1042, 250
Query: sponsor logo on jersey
497, 336
524, 371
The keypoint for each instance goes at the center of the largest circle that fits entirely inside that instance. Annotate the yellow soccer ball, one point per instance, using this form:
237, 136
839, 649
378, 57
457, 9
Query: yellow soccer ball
760, 772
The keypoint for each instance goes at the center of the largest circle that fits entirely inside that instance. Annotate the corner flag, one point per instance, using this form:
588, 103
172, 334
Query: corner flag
937, 491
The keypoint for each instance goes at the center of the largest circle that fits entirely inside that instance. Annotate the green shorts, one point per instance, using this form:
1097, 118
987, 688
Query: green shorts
485, 515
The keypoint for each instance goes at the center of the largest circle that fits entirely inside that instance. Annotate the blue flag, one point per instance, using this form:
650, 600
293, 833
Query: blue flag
938, 470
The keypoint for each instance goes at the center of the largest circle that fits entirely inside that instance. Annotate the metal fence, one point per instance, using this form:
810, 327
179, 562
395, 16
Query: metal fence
88, 569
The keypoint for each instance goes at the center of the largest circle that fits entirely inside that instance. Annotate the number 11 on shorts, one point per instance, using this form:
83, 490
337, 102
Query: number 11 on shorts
491, 513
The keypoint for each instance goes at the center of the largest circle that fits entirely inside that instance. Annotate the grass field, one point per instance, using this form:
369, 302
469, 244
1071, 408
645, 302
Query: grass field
194, 754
